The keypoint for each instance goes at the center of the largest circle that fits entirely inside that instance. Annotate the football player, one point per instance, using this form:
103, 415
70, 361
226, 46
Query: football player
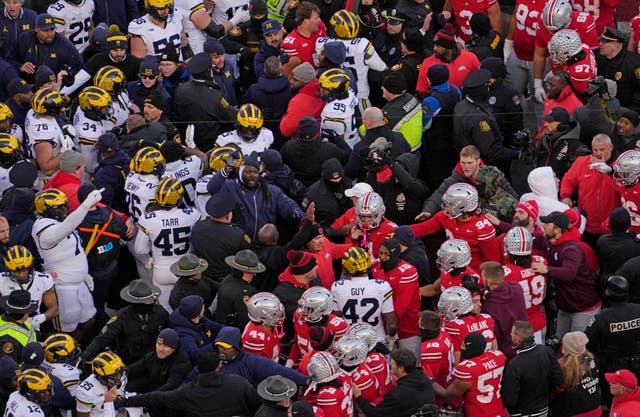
376, 361
222, 157
113, 81
166, 233
147, 167
35, 390
371, 223
330, 388
22, 276
186, 169
364, 300
107, 378
60, 353
261, 336
570, 55
94, 108
453, 259
224, 10
436, 351
250, 135
463, 10
602, 10
10, 153
351, 353
7, 125
338, 117
73, 20
157, 30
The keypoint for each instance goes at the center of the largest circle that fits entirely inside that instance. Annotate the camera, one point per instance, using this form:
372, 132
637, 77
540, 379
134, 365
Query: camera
597, 87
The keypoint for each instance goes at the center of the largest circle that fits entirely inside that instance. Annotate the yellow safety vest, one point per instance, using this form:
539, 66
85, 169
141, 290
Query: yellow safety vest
22, 333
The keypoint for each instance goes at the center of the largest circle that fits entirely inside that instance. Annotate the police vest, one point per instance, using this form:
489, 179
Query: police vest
15, 336
405, 116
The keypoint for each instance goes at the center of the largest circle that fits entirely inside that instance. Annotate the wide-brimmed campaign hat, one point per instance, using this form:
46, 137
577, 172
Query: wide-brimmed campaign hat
245, 261
188, 265
18, 302
277, 388
139, 292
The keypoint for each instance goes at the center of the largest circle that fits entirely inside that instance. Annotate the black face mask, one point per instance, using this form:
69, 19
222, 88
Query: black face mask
426, 334
394, 255
142, 309
334, 187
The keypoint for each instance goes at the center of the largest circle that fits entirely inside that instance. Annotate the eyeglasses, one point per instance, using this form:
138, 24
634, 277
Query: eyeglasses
148, 77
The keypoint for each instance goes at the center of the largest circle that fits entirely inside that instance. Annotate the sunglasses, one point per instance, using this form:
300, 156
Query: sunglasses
148, 77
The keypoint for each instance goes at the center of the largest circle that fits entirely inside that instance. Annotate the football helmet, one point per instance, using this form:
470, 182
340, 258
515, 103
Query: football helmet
626, 170
334, 84
365, 332
370, 205
556, 15
265, 308
60, 348
36, 386
344, 24
356, 261
228, 155
453, 254
47, 101
6, 118
350, 351
10, 150
108, 368
563, 45
518, 241
169, 192
110, 79
52, 203
455, 302
316, 303
152, 7
323, 367
460, 198
249, 122
19, 258
148, 160
95, 103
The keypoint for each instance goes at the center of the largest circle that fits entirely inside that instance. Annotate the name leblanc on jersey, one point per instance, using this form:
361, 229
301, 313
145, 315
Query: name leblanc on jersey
476, 327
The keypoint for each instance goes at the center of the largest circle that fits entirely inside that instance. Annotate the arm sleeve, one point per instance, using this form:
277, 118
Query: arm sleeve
53, 234
569, 182
432, 204
265, 368
387, 407
490, 249
81, 77
286, 207
142, 243
108, 338
510, 387
411, 184
425, 228
103, 181
177, 375
571, 258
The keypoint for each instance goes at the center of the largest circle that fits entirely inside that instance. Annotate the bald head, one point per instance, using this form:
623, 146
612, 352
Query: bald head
372, 117
268, 234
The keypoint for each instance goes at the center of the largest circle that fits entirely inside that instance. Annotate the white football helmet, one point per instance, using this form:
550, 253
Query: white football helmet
323, 367
518, 241
265, 308
453, 254
556, 14
454, 302
316, 303
365, 332
626, 170
371, 204
563, 45
460, 198
350, 351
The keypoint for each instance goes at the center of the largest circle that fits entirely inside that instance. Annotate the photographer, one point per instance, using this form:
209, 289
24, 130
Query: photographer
601, 110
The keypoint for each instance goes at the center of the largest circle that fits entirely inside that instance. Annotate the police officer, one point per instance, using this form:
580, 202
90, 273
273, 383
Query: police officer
402, 111
387, 43
200, 99
474, 123
15, 329
413, 53
614, 335
622, 66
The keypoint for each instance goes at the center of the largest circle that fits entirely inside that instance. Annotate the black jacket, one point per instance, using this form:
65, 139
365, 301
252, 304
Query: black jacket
270, 409
560, 149
623, 69
355, 167
204, 287
305, 157
631, 271
529, 378
211, 395
233, 294
153, 374
412, 392
613, 250
330, 203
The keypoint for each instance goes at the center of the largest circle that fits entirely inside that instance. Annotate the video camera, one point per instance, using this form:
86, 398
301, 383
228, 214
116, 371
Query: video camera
597, 87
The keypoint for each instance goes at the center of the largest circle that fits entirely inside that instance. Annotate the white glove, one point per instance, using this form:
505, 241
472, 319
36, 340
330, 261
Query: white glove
600, 167
93, 198
37, 320
68, 136
391, 342
69, 130
188, 137
539, 94
89, 281
508, 49
240, 17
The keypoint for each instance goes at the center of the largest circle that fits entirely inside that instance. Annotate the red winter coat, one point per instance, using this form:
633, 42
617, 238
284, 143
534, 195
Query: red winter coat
306, 102
627, 405
68, 184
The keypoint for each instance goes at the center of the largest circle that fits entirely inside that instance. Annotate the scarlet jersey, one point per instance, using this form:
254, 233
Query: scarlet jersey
480, 323
463, 10
348, 217
380, 368
406, 297
260, 342
478, 232
336, 401
447, 280
296, 45
436, 358
635, 32
527, 16
601, 10
484, 372
582, 71
337, 325
463, 65
630, 198
583, 23
376, 236
534, 287
366, 380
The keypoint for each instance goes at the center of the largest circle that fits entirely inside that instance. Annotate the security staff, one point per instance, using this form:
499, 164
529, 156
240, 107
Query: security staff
474, 124
403, 111
413, 54
15, 329
614, 336
387, 43
618, 64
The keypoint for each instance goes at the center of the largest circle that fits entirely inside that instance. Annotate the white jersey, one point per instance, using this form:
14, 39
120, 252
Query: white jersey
141, 190
359, 59
87, 133
119, 110
4, 180
157, 38
41, 130
73, 20
195, 36
364, 300
16, 131
224, 10
90, 396
338, 118
187, 171
68, 374
202, 194
19, 406
40, 283
261, 144
66, 257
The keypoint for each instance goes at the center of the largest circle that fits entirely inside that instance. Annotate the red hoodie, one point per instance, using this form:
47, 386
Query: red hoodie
68, 184
627, 405
306, 102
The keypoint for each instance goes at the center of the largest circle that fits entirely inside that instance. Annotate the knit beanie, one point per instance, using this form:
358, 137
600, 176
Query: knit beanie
631, 116
445, 39
271, 159
474, 345
438, 74
300, 262
395, 83
530, 207
480, 24
574, 343
619, 220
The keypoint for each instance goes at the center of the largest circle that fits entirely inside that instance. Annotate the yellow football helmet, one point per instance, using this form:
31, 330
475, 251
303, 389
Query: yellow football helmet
228, 155
345, 24
18, 258
110, 79
95, 103
48, 101
148, 160
35, 385
169, 192
108, 368
60, 348
249, 122
52, 203
152, 7
356, 261
10, 150
5, 113
334, 84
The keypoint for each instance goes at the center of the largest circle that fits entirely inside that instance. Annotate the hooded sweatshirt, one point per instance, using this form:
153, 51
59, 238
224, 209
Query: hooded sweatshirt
306, 102
505, 304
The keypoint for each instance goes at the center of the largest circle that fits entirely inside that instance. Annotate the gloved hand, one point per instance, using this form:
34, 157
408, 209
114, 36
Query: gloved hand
89, 281
68, 135
539, 94
37, 320
507, 49
600, 167
284, 58
240, 17
188, 137
92, 199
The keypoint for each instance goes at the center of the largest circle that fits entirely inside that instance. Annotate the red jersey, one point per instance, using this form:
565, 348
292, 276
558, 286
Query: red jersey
436, 358
376, 236
337, 325
447, 280
463, 10
635, 31
601, 10
630, 198
464, 64
348, 217
527, 16
366, 380
484, 372
581, 71
380, 368
480, 323
260, 342
534, 288
406, 297
478, 232
296, 45
334, 401
583, 23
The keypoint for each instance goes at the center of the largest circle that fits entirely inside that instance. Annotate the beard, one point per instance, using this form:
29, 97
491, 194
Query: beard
523, 223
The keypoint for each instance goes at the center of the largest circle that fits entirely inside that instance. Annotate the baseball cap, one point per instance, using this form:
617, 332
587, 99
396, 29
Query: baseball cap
623, 377
18, 86
558, 114
45, 21
558, 218
270, 26
358, 190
